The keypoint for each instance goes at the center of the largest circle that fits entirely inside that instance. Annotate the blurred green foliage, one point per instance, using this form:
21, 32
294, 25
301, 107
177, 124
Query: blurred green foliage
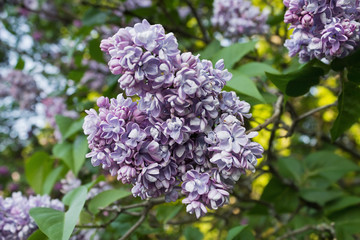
307, 186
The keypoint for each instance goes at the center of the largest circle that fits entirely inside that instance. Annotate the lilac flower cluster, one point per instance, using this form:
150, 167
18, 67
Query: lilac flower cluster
21, 87
183, 134
323, 29
56, 106
94, 77
236, 18
15, 221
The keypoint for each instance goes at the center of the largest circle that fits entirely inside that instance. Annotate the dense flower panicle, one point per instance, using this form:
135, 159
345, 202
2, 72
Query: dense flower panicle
322, 29
184, 134
238, 18
21, 87
15, 221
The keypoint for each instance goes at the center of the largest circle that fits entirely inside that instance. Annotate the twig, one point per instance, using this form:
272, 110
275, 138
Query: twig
342, 146
273, 118
305, 115
198, 19
122, 209
104, 225
321, 228
177, 29
139, 222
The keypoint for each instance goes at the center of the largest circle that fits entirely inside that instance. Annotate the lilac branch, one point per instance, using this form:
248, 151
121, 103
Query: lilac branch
273, 118
198, 19
321, 228
305, 115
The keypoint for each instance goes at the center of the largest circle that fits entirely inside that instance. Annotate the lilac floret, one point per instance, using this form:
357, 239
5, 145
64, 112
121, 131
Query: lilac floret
176, 129
195, 184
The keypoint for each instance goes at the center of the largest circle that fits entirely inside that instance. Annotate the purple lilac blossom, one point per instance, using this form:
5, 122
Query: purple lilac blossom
21, 87
322, 29
239, 18
183, 134
15, 221
95, 75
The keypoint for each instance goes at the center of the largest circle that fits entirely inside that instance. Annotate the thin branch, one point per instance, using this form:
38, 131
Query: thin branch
342, 146
321, 228
120, 209
198, 19
135, 226
104, 225
123, 209
139, 222
177, 29
273, 118
305, 115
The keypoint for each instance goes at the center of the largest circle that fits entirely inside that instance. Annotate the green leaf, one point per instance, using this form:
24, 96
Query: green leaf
76, 75
85, 218
338, 64
275, 20
347, 222
291, 168
320, 196
51, 179
277, 193
243, 85
59, 225
50, 222
38, 235
346, 229
328, 165
20, 64
342, 203
74, 127
233, 53
37, 168
193, 233
349, 113
80, 148
298, 82
210, 50
166, 212
94, 182
64, 151
95, 51
240, 232
63, 123
94, 16
105, 198
253, 69
354, 74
